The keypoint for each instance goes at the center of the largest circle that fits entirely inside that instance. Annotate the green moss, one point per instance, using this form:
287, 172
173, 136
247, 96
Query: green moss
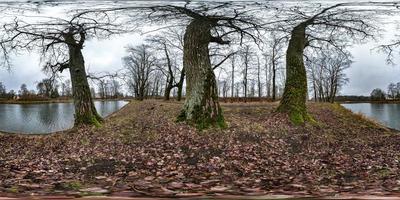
221, 122
296, 118
181, 117
202, 120
13, 189
295, 94
93, 119
73, 185
84, 141
383, 173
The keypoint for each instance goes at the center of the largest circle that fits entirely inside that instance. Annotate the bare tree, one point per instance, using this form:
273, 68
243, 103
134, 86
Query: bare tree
327, 75
139, 64
48, 87
259, 84
276, 50
66, 90
170, 46
3, 90
336, 25
208, 23
233, 60
60, 43
246, 54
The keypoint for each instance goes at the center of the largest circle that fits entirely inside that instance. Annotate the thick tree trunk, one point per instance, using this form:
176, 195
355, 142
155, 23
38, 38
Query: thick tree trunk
201, 106
85, 112
294, 96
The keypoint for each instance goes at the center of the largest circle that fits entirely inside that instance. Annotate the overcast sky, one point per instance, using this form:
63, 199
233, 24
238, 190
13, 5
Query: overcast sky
369, 70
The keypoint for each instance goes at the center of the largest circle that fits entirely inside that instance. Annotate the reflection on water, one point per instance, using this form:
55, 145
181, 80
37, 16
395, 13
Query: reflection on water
387, 114
46, 118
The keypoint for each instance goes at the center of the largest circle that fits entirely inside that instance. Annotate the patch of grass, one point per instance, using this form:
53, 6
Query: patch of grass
13, 189
84, 141
383, 173
73, 185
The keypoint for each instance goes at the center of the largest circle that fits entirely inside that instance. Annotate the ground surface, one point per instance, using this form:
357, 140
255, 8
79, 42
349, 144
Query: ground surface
141, 151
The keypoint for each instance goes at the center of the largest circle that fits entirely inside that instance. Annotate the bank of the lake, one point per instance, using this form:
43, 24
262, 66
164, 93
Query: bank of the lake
141, 150
60, 100
47, 118
36, 102
387, 114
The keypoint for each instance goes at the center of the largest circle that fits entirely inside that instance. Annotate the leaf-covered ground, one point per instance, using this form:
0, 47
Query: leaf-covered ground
141, 151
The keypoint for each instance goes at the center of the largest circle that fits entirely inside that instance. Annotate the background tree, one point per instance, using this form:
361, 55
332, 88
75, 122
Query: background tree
378, 95
66, 88
169, 47
139, 65
3, 90
326, 72
275, 48
392, 91
48, 87
246, 54
23, 91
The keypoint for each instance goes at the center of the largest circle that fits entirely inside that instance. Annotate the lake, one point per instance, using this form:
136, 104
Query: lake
46, 117
387, 114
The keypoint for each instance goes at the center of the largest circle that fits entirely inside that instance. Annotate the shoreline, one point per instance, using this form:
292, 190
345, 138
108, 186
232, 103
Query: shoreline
54, 101
74, 128
373, 102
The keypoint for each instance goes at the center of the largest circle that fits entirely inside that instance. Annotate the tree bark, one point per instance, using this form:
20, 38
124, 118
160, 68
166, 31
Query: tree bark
233, 76
273, 76
168, 89
295, 93
85, 111
201, 106
258, 78
171, 78
180, 84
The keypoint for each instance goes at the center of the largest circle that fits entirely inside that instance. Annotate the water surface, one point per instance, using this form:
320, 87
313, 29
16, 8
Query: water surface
46, 117
387, 114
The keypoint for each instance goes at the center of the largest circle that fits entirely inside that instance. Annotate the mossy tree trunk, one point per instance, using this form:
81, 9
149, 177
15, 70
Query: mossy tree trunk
201, 106
295, 93
85, 111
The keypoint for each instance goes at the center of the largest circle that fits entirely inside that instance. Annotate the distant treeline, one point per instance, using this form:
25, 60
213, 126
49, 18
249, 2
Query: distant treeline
352, 98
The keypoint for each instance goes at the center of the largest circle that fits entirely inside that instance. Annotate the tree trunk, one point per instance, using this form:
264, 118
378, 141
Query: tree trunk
258, 78
245, 82
168, 89
180, 84
233, 76
171, 78
85, 112
273, 77
201, 106
294, 96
